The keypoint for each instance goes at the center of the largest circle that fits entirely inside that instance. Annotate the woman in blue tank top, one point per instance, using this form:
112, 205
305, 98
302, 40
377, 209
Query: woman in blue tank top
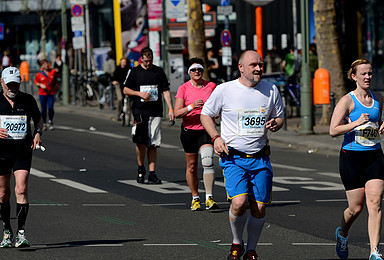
357, 116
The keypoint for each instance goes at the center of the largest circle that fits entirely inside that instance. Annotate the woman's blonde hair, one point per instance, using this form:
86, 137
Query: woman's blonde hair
354, 65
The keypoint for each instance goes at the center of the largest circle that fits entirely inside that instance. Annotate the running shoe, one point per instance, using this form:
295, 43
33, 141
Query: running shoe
237, 251
21, 240
341, 245
196, 205
152, 178
210, 203
375, 255
7, 238
251, 255
140, 175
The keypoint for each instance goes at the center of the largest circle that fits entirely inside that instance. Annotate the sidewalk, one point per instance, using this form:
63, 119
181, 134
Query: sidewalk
318, 142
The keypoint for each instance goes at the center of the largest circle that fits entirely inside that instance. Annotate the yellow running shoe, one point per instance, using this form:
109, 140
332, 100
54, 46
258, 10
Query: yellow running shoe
196, 204
210, 203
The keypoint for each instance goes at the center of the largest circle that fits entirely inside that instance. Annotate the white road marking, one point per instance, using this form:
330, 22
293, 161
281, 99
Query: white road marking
79, 186
283, 166
104, 245
314, 244
274, 188
330, 174
165, 188
104, 205
163, 204
309, 183
332, 200
116, 136
195, 244
52, 204
284, 201
41, 174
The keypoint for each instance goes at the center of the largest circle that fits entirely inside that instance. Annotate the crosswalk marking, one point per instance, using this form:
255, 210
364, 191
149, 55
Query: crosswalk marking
79, 186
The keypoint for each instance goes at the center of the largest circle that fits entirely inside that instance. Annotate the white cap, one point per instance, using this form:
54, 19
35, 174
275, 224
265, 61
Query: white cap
11, 74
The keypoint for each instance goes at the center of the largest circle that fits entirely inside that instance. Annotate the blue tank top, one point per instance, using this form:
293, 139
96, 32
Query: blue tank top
365, 137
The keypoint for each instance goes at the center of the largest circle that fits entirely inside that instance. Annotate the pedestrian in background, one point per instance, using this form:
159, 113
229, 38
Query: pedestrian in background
190, 99
146, 84
17, 141
119, 76
249, 108
45, 80
58, 67
105, 81
357, 116
5, 60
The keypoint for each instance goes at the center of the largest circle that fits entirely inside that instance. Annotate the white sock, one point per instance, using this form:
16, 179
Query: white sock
237, 224
254, 227
207, 196
195, 197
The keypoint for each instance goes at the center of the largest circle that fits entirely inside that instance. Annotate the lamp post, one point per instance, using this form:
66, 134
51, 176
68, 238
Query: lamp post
305, 90
65, 73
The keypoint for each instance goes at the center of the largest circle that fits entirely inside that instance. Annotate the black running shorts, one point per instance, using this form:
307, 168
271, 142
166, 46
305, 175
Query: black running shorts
15, 159
358, 167
192, 140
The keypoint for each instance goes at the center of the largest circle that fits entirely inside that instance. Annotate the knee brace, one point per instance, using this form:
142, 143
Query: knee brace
206, 153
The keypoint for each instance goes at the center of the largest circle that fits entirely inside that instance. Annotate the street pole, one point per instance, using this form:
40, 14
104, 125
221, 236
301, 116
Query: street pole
88, 36
65, 74
305, 90
117, 23
164, 41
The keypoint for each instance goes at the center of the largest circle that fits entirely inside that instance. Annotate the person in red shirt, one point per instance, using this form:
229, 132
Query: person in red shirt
45, 80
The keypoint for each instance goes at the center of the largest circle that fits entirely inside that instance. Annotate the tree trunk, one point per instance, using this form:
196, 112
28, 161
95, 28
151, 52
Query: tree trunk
328, 51
43, 36
196, 33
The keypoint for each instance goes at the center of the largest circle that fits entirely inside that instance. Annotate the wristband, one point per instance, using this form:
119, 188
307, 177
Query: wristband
214, 138
170, 110
38, 131
190, 108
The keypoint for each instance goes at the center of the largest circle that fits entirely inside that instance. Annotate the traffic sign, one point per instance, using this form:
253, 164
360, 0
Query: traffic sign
175, 9
1, 31
78, 2
78, 42
225, 38
77, 10
227, 56
224, 2
77, 23
225, 10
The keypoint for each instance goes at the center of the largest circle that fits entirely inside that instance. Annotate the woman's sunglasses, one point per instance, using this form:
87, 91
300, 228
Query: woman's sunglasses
197, 70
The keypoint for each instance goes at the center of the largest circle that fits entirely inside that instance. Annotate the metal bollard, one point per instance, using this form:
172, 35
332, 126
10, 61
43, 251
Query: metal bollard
284, 100
333, 101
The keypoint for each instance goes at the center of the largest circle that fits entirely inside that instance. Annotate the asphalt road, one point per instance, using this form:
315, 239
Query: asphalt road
86, 204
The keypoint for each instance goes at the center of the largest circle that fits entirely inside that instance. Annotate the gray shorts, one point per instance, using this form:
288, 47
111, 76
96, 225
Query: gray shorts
147, 130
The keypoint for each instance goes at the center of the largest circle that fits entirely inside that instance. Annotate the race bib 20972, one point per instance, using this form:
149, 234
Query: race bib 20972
16, 126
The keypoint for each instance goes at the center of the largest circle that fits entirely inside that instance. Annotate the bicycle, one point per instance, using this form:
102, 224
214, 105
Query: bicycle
84, 90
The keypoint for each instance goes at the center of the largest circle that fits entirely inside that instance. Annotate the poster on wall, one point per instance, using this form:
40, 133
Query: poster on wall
134, 28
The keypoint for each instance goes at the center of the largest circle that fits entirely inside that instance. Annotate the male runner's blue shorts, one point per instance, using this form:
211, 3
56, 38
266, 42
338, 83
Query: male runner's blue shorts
248, 176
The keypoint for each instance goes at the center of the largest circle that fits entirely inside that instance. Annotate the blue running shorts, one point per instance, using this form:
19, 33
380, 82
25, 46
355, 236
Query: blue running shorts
248, 176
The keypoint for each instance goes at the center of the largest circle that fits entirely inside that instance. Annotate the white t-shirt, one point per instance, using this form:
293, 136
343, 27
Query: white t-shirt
244, 113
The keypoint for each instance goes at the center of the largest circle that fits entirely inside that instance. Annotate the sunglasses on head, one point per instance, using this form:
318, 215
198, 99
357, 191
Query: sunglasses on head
197, 70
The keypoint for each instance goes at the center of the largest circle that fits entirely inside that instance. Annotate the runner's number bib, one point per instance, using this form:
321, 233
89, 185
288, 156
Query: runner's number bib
16, 126
251, 121
151, 89
367, 134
